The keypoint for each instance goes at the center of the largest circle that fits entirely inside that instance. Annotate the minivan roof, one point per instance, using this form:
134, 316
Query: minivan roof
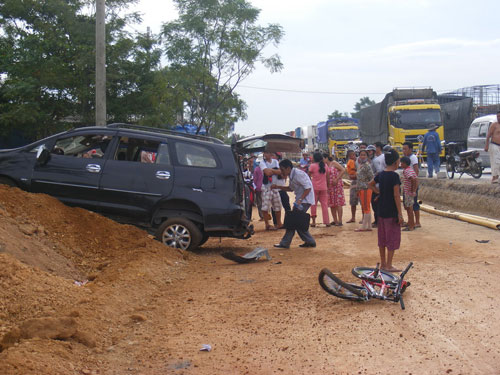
491, 118
134, 129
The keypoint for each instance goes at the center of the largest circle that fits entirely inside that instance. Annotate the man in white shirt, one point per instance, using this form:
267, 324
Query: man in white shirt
271, 199
301, 185
408, 151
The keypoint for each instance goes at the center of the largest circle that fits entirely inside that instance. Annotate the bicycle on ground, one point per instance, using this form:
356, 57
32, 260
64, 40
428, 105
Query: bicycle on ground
375, 283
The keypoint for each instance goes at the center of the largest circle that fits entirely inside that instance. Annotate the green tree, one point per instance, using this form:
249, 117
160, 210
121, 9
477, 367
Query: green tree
216, 44
337, 113
362, 103
47, 69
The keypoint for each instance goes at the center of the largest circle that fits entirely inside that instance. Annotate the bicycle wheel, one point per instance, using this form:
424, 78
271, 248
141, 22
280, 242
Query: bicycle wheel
333, 285
450, 169
475, 169
364, 272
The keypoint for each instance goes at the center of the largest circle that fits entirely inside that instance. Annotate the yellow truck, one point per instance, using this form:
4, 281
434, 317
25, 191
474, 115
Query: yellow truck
342, 132
404, 115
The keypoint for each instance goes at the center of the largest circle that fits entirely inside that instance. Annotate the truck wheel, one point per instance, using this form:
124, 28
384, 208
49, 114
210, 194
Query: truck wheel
179, 233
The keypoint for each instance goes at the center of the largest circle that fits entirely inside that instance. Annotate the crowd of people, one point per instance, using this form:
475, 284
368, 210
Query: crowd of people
373, 183
318, 177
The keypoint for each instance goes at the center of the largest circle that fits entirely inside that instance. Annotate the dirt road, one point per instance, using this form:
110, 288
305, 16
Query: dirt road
150, 312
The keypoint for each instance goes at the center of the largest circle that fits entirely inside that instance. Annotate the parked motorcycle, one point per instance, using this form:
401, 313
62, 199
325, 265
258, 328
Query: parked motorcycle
462, 162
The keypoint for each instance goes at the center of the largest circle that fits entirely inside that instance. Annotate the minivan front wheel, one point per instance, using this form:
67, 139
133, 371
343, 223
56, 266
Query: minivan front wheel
180, 233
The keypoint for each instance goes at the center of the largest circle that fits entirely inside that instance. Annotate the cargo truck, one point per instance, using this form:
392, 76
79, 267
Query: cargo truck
403, 116
342, 131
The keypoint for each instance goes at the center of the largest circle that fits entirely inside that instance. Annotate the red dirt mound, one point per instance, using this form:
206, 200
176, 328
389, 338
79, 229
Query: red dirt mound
48, 322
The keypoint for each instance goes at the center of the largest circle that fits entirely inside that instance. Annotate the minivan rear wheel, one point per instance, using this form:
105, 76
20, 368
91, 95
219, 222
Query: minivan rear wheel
180, 233
7, 181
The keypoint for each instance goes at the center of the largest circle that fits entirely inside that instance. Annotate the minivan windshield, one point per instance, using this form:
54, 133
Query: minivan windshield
416, 118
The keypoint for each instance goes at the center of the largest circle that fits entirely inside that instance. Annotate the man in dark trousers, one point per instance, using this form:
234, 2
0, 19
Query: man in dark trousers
301, 185
432, 144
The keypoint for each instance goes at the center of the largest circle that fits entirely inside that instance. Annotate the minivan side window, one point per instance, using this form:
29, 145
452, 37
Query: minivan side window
474, 130
82, 146
483, 130
142, 151
194, 155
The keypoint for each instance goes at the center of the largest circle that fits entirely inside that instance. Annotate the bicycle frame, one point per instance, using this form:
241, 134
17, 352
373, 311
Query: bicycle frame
380, 290
374, 284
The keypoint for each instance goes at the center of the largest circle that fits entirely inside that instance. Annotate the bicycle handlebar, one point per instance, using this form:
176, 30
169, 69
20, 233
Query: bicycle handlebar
398, 296
376, 271
405, 271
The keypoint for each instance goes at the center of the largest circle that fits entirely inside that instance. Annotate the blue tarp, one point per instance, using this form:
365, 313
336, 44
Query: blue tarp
322, 129
338, 120
190, 129
298, 133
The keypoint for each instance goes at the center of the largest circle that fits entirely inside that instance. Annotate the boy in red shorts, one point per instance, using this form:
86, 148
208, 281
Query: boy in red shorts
390, 217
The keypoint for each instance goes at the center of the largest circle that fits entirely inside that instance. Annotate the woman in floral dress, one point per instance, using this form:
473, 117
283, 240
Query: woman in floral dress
336, 199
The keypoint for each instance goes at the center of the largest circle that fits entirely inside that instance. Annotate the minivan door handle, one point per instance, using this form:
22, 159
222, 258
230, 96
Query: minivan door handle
93, 168
163, 175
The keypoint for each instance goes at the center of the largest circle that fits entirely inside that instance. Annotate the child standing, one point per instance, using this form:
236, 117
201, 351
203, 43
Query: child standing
410, 184
390, 217
353, 194
364, 176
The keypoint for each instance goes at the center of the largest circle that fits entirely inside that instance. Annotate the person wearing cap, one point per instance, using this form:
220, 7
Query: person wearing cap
371, 151
432, 144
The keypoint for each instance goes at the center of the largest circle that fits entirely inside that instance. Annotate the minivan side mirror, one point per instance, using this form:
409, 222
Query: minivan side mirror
42, 155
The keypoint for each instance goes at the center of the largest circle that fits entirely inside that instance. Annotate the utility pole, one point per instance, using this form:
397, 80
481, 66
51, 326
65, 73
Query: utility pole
100, 64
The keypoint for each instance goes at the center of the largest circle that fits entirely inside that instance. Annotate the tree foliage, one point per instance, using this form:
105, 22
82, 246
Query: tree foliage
360, 104
337, 114
48, 62
47, 65
218, 43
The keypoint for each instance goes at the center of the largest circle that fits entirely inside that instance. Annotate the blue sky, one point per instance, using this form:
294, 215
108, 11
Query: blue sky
360, 48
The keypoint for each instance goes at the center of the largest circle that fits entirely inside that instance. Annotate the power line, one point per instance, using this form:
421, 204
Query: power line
324, 92
313, 92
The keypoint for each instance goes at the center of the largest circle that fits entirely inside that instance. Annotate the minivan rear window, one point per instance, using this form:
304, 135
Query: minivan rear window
194, 155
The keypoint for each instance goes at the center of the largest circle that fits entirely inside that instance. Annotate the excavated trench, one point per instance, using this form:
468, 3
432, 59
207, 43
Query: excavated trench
472, 196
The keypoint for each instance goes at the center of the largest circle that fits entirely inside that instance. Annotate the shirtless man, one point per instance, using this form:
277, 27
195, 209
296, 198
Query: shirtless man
493, 146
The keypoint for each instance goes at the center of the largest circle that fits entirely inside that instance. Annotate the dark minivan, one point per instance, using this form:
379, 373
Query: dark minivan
184, 188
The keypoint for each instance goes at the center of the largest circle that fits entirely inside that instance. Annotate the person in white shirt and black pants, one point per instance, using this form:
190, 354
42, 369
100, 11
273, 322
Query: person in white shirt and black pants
301, 185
